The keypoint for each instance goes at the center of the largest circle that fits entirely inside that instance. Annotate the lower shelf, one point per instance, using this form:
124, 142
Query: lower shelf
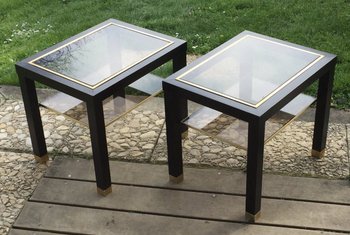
235, 132
113, 107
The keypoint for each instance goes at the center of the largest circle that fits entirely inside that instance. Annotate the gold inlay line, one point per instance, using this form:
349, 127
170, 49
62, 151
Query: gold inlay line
179, 78
112, 75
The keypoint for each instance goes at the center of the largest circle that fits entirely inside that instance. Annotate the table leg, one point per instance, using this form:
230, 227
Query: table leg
175, 111
256, 133
324, 94
99, 146
179, 61
31, 107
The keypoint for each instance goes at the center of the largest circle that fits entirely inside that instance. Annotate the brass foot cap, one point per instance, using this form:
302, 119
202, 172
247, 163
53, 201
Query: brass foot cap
177, 179
42, 160
104, 192
318, 154
252, 218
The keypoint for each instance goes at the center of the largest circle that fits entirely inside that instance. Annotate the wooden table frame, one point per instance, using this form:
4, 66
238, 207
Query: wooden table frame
177, 93
28, 74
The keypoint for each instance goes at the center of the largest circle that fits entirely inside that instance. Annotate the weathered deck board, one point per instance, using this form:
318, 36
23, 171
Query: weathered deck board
193, 204
29, 232
49, 217
208, 180
209, 201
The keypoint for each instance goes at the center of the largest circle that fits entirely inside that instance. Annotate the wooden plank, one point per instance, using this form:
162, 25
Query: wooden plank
193, 204
29, 232
210, 180
68, 219
148, 175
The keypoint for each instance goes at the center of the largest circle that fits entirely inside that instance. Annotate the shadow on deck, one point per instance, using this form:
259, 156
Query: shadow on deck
209, 201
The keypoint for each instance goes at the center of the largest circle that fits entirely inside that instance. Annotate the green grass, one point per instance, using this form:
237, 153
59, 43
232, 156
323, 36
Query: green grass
28, 26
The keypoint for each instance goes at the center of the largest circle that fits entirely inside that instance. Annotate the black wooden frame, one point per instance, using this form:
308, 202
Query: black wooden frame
28, 74
177, 93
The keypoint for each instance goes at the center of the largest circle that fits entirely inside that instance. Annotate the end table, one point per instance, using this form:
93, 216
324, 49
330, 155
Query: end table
91, 67
247, 86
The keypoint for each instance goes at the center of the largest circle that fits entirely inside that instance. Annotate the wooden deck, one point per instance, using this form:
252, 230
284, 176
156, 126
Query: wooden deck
209, 201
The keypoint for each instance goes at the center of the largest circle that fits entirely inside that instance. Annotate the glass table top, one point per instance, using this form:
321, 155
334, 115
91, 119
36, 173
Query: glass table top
250, 70
100, 55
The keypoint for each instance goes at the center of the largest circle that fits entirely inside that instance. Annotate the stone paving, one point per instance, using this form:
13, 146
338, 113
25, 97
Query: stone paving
140, 136
19, 175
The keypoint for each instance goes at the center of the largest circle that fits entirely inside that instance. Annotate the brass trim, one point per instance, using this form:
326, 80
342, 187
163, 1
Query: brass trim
42, 160
179, 78
112, 75
318, 154
177, 179
104, 192
252, 218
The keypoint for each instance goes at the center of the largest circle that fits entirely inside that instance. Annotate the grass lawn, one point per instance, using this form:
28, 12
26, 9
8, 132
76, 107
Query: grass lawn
28, 26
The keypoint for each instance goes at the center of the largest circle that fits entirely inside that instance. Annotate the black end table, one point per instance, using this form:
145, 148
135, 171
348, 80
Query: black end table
91, 67
250, 87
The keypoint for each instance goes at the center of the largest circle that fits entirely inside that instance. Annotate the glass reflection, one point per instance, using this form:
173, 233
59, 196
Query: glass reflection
94, 58
250, 69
